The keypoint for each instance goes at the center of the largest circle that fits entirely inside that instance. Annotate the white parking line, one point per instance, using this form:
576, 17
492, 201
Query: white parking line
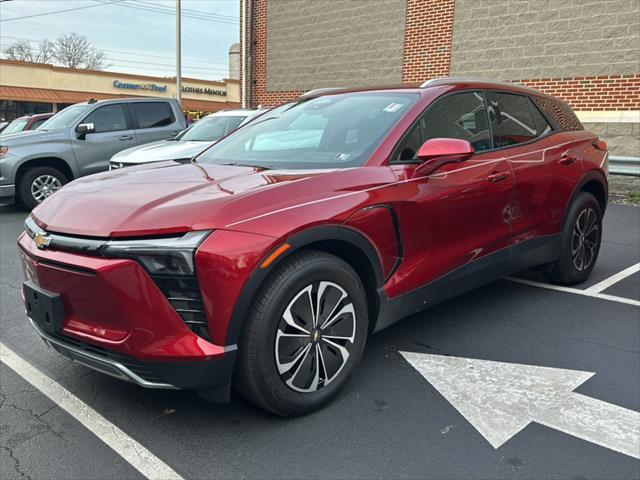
607, 282
130, 450
577, 291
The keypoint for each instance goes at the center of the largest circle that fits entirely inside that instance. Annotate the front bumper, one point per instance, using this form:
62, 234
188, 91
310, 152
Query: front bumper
211, 373
7, 191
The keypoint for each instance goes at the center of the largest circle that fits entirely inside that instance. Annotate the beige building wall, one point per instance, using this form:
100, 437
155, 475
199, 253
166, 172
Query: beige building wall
56, 78
334, 43
507, 39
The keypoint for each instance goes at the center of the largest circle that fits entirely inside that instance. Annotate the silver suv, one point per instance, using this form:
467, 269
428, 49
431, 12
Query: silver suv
78, 141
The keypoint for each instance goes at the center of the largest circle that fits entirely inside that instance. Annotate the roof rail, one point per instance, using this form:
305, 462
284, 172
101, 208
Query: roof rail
449, 80
320, 91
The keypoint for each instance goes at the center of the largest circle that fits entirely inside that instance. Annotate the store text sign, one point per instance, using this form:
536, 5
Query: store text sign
140, 86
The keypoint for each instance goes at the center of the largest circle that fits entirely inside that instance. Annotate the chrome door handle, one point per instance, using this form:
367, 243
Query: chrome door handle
126, 137
498, 177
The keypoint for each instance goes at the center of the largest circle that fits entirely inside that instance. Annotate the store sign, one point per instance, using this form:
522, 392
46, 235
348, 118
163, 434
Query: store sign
204, 91
153, 87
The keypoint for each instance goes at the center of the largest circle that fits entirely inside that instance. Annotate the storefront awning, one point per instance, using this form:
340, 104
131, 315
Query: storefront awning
24, 94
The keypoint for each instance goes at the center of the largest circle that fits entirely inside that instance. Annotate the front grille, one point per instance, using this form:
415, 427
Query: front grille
184, 295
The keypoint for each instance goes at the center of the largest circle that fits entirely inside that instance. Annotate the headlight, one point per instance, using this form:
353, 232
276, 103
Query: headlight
160, 256
4, 151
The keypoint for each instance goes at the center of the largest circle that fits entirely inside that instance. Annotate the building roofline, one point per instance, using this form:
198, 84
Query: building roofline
48, 66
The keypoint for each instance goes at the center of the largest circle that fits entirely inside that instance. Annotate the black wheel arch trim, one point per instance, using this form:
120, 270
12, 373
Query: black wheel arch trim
298, 242
587, 177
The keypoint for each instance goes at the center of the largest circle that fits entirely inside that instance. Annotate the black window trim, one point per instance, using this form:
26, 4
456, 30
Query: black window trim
134, 117
124, 111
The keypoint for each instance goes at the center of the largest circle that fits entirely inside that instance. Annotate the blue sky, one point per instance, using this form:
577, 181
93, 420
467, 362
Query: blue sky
138, 36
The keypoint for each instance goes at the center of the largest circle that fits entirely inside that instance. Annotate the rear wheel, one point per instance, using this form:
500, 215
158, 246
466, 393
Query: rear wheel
39, 183
304, 335
580, 242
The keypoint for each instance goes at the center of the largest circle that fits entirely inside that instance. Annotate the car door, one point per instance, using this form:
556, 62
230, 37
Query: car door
455, 221
154, 121
112, 133
546, 167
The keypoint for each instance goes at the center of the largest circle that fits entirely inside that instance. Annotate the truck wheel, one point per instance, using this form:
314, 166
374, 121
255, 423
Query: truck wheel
39, 183
580, 242
304, 335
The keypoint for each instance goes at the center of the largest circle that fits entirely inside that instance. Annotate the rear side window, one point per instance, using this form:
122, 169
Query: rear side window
109, 118
542, 126
559, 113
37, 123
511, 119
152, 114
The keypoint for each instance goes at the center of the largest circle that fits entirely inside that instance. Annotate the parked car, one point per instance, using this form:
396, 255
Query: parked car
27, 122
80, 140
3, 125
269, 261
188, 143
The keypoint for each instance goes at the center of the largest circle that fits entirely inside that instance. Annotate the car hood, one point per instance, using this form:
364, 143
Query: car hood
159, 151
28, 137
163, 198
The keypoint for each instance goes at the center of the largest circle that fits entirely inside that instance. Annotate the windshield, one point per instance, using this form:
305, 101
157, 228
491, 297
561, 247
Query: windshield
64, 118
16, 126
210, 129
333, 131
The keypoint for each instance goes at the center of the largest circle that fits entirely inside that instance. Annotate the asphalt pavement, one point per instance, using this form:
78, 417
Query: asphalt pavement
388, 422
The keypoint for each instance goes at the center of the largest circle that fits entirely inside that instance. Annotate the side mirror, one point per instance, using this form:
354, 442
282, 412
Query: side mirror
85, 128
437, 152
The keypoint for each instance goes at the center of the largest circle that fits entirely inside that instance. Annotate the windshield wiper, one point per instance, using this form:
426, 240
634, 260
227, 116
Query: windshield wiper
236, 164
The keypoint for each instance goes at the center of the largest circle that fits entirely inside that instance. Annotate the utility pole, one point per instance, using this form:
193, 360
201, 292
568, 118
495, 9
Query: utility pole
243, 54
178, 54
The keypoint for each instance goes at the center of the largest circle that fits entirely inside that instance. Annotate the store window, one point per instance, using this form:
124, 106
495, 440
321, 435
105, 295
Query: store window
10, 109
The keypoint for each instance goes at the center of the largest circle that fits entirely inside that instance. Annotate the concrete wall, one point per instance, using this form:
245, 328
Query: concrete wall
623, 139
334, 43
522, 39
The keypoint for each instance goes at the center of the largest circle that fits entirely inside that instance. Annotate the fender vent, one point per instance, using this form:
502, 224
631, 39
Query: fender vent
184, 296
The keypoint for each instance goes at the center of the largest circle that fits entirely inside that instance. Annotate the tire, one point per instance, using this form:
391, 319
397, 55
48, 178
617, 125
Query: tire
273, 372
49, 179
580, 242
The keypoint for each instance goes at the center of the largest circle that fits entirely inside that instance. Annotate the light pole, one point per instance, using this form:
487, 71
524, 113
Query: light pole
178, 55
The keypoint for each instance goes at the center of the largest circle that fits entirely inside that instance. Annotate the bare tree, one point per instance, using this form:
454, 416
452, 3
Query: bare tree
76, 51
24, 52
69, 50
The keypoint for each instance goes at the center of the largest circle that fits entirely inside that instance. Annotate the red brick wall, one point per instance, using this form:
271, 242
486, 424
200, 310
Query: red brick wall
427, 39
427, 54
613, 92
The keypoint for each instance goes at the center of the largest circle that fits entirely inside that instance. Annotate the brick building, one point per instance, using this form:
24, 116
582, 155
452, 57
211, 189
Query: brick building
584, 51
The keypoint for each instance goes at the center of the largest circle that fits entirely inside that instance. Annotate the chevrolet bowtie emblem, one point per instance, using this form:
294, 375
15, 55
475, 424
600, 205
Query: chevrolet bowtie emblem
42, 240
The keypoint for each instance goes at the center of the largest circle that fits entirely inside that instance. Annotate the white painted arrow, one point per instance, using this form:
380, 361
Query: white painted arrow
500, 399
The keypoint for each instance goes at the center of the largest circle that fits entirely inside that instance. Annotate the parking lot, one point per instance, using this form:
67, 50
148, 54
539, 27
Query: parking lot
388, 422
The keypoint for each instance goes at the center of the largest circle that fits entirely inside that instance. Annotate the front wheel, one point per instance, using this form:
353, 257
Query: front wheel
580, 242
304, 335
39, 183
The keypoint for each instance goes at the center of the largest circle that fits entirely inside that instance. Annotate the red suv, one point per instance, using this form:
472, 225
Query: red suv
267, 261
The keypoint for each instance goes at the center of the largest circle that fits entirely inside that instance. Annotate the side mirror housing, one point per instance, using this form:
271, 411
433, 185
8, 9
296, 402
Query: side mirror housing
85, 128
437, 152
